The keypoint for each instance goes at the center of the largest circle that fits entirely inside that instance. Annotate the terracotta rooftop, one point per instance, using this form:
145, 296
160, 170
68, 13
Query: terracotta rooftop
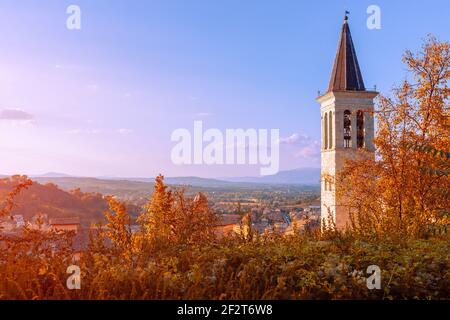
65, 221
227, 219
346, 74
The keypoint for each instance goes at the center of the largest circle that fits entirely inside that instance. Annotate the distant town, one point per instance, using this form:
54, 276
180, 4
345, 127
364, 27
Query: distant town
268, 208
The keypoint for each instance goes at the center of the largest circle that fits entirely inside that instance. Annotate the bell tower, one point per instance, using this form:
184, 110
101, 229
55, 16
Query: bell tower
347, 124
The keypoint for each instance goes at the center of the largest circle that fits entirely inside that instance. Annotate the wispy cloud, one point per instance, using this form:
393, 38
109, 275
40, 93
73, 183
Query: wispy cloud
77, 131
17, 116
66, 67
309, 151
93, 87
204, 114
302, 145
84, 131
124, 131
293, 138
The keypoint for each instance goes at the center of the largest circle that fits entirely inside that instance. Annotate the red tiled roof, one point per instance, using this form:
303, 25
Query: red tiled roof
65, 221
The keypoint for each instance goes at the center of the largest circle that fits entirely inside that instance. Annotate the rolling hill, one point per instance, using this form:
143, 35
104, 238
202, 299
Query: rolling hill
57, 203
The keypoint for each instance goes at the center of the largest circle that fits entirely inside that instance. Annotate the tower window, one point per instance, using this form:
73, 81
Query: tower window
328, 184
330, 127
325, 126
360, 128
347, 128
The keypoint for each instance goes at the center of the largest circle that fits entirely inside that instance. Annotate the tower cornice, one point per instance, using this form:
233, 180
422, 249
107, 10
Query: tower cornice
343, 94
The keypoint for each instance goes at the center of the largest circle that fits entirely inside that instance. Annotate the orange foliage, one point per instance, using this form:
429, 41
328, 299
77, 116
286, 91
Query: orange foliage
171, 218
392, 194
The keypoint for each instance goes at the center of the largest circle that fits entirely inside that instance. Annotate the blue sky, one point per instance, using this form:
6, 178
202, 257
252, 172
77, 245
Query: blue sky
105, 99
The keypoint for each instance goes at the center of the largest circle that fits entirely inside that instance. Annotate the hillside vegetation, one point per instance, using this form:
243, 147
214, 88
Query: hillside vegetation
56, 203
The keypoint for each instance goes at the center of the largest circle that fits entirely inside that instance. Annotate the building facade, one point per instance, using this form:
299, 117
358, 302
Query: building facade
347, 124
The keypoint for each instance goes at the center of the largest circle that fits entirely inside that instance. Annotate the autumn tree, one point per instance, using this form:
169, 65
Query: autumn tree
194, 220
20, 183
393, 194
158, 220
118, 229
172, 218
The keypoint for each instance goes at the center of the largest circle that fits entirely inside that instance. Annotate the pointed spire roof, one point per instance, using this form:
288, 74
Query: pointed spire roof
346, 74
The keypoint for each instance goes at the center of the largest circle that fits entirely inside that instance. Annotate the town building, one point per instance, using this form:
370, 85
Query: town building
65, 224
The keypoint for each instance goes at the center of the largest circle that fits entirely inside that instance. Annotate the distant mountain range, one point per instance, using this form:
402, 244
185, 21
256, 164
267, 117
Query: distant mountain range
51, 175
301, 176
192, 181
45, 175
